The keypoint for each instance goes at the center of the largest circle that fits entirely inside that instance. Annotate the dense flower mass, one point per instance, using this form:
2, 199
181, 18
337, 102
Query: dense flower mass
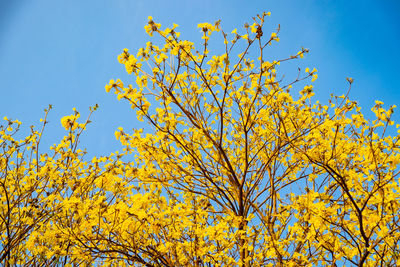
240, 168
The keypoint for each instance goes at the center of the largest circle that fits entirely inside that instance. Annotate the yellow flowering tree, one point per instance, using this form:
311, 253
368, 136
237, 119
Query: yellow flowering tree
218, 144
32, 188
238, 168
294, 181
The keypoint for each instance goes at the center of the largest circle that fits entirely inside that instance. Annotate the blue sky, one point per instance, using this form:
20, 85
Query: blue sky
64, 52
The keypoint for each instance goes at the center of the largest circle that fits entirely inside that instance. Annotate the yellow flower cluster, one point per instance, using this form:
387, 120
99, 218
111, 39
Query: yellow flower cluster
70, 122
151, 26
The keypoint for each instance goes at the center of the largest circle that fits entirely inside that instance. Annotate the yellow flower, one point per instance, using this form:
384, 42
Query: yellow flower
151, 26
69, 122
314, 77
114, 84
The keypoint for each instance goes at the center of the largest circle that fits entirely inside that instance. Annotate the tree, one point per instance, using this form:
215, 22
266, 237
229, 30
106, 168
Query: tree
33, 188
238, 169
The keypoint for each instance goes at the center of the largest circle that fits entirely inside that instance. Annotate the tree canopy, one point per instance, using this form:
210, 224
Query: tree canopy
240, 167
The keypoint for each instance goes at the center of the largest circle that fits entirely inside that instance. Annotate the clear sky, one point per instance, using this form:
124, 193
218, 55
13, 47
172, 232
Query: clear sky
64, 52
